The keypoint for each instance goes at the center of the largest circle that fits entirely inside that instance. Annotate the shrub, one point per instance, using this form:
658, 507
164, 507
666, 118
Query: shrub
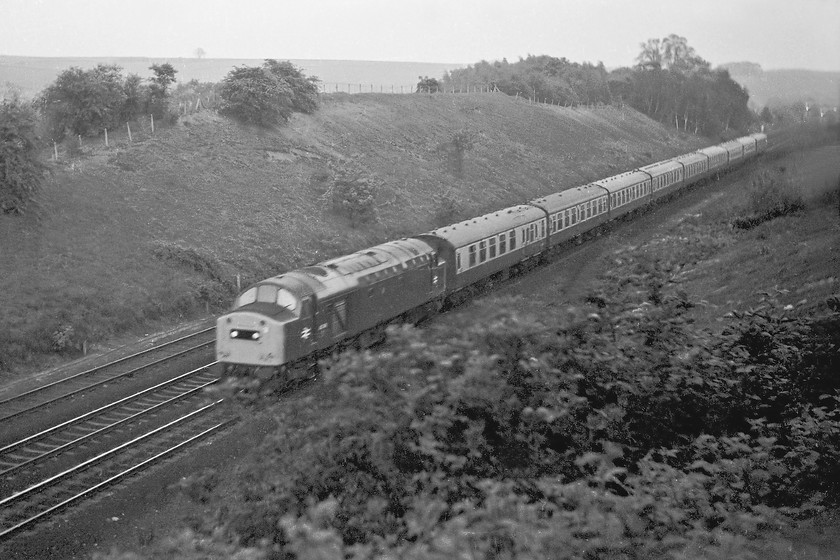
84, 102
267, 95
21, 171
352, 195
773, 193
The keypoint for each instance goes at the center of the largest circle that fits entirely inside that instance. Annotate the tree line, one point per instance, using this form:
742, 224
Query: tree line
670, 83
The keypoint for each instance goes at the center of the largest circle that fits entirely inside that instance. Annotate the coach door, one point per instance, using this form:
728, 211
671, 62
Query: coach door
438, 270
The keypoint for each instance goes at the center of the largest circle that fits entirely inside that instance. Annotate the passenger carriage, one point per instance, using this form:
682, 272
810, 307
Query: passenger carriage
735, 152
574, 211
718, 159
478, 248
626, 192
665, 177
695, 167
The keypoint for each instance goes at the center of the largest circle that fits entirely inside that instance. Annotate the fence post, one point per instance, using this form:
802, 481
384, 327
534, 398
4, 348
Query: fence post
106, 137
55, 150
80, 140
128, 127
152, 120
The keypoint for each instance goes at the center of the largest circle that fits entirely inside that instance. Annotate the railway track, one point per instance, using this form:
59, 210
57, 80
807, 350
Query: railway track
25, 508
49, 463
50, 394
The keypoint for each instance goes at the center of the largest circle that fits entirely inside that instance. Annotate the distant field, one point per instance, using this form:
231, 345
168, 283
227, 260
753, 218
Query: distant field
32, 74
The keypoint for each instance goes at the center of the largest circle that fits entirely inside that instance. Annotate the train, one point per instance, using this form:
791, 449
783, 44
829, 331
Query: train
295, 318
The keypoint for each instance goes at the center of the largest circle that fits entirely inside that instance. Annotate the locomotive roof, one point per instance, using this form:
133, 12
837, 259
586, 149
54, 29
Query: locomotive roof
349, 271
566, 199
475, 229
623, 180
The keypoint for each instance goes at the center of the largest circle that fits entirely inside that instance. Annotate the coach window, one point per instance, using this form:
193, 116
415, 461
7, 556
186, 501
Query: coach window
512, 239
492, 247
502, 241
458, 261
472, 256
542, 229
574, 216
482, 251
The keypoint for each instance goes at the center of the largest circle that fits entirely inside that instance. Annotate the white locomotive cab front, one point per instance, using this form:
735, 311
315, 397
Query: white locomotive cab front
253, 333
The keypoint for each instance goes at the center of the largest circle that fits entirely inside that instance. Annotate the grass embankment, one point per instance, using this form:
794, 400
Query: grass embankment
689, 408
142, 235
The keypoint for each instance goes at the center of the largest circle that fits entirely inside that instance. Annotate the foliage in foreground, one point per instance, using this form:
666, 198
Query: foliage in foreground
21, 171
619, 430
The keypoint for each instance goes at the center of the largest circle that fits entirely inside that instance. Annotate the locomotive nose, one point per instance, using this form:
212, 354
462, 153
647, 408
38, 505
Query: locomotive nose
249, 338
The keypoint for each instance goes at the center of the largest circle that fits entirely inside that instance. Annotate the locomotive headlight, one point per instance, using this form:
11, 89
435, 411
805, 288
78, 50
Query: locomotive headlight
234, 334
255, 336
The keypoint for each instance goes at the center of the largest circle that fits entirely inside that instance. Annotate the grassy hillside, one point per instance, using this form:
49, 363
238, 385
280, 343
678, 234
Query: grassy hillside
147, 233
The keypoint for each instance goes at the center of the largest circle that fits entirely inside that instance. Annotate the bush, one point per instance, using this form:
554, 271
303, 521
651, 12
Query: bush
773, 193
267, 95
352, 195
84, 102
21, 171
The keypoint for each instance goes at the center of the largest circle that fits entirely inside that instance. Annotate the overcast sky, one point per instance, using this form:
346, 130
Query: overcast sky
773, 33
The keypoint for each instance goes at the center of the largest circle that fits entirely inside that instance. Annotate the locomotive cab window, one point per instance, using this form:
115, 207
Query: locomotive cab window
249, 296
287, 300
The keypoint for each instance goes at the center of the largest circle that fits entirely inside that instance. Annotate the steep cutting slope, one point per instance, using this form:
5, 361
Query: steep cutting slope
159, 229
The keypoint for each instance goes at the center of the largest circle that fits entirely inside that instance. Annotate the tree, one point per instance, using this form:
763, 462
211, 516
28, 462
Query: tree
21, 172
267, 95
304, 88
135, 94
200, 53
164, 76
84, 101
426, 84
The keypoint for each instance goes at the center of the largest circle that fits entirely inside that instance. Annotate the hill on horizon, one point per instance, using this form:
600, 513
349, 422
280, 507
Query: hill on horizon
776, 88
33, 74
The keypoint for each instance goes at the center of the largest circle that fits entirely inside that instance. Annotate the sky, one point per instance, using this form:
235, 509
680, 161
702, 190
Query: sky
778, 34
